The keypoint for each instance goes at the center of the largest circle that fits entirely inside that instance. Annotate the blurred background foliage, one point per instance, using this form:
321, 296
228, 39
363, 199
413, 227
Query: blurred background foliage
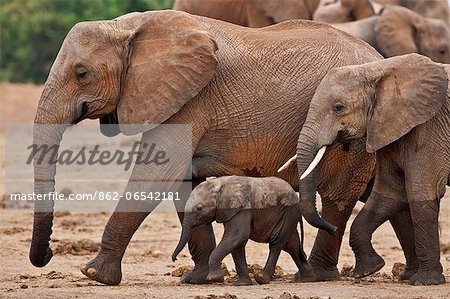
31, 31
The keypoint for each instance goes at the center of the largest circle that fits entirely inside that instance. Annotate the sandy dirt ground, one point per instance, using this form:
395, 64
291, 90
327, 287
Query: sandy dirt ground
147, 268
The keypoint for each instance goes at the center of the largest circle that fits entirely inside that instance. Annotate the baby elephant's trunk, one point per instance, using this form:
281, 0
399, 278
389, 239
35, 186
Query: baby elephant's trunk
185, 233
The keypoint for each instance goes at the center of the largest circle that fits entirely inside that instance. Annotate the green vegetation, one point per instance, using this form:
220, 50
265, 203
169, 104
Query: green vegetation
31, 31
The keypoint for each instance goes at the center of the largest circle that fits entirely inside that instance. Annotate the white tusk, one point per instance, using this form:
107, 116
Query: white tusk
314, 163
286, 165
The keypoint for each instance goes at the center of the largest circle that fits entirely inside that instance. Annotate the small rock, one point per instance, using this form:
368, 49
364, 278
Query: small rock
397, 269
23, 286
156, 253
181, 270
347, 271
285, 295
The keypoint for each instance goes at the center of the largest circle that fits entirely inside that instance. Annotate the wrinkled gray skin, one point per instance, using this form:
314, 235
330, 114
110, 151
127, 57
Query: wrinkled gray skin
402, 106
265, 210
244, 91
398, 31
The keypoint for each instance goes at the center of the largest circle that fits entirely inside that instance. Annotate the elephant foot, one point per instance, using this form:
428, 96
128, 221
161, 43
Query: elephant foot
196, 276
243, 281
262, 277
103, 271
407, 273
305, 274
325, 274
427, 278
368, 264
215, 275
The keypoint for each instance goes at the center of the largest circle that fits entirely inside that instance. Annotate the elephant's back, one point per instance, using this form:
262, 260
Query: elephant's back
259, 96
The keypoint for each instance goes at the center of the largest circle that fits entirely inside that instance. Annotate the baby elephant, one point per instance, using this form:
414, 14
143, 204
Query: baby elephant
264, 210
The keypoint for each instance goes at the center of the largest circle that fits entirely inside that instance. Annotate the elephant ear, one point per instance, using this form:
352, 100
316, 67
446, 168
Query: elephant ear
171, 59
359, 9
409, 90
395, 32
233, 196
283, 10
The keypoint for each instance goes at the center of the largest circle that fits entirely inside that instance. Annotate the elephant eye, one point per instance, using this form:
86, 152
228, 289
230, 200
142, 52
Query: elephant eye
81, 74
199, 207
338, 108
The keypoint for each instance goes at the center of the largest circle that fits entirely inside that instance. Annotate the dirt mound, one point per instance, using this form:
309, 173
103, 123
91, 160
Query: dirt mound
80, 247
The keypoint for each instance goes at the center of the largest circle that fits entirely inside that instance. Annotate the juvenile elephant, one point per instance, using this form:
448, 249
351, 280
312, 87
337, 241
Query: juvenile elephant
402, 106
398, 31
250, 13
244, 92
265, 210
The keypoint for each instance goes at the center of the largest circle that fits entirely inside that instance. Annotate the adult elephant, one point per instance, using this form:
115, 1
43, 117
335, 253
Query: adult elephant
243, 91
250, 13
401, 106
398, 31
437, 9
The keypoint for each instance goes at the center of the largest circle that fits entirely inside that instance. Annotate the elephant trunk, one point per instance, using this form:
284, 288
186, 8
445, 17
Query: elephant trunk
184, 238
309, 154
46, 139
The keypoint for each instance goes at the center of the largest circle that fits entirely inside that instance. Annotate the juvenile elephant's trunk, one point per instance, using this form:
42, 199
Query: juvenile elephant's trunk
307, 150
184, 238
46, 139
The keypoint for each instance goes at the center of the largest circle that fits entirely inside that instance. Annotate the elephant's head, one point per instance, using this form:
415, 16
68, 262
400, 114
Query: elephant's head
401, 31
381, 101
140, 68
216, 199
341, 11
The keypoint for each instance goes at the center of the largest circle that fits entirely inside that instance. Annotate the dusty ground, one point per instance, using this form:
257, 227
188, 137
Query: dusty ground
147, 266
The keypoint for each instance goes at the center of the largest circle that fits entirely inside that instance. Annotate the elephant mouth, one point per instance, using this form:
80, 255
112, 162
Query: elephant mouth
83, 113
342, 136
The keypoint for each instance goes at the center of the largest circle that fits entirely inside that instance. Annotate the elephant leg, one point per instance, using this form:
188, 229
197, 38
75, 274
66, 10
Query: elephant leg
381, 206
266, 274
404, 230
295, 249
240, 263
344, 179
201, 243
235, 236
424, 215
129, 214
106, 266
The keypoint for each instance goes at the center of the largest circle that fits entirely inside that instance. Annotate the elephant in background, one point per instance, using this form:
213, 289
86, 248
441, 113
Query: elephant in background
342, 11
250, 13
402, 106
399, 31
265, 210
244, 98
437, 9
